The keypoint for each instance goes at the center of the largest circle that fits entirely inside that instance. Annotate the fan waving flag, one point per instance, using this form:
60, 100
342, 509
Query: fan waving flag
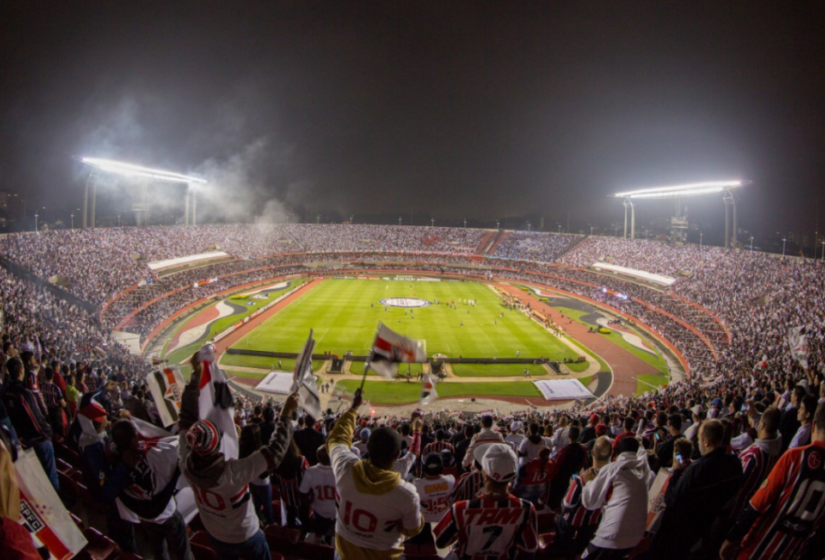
166, 386
391, 349
428, 394
304, 382
215, 402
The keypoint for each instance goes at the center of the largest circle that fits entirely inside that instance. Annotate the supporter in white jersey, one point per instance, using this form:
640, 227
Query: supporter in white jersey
221, 486
434, 491
319, 483
376, 509
485, 436
144, 481
515, 437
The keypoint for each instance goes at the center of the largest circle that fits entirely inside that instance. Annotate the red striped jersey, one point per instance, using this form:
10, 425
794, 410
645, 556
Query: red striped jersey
438, 447
467, 486
574, 513
289, 486
790, 504
533, 479
756, 465
487, 529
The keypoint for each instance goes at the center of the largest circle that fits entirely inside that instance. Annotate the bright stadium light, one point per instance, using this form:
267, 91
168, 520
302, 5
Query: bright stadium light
131, 170
676, 191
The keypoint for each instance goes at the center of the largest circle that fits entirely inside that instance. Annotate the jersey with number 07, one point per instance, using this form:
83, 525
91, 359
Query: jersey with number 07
486, 528
791, 506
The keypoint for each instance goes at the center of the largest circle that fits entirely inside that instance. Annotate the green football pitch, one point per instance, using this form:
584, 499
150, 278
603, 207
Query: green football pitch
344, 314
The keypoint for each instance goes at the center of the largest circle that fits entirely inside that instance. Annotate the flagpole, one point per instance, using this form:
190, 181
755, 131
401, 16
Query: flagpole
366, 368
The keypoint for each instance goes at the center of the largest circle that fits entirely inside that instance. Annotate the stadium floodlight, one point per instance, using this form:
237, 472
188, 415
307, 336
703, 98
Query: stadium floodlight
131, 170
678, 191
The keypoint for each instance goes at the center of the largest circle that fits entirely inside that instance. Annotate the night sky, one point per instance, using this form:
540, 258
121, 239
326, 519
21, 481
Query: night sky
451, 109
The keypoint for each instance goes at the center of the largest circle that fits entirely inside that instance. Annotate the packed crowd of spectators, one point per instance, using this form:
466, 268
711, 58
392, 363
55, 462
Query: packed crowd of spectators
729, 436
534, 246
641, 254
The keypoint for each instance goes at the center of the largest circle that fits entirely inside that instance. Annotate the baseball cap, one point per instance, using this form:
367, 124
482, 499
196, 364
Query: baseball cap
601, 430
433, 464
203, 437
366, 433
697, 410
515, 426
500, 462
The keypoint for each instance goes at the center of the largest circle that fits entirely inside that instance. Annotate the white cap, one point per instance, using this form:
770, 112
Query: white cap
515, 426
500, 462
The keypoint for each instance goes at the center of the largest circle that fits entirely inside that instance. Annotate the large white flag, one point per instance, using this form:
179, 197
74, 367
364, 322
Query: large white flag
798, 341
428, 394
304, 382
391, 348
166, 386
215, 401
42, 512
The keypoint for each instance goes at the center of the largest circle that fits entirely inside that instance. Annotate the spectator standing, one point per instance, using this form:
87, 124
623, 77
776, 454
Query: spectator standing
784, 515
308, 440
805, 416
221, 485
376, 509
491, 525
318, 485
620, 488
485, 436
697, 494
790, 416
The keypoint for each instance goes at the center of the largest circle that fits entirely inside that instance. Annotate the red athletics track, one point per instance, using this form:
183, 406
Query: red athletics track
625, 365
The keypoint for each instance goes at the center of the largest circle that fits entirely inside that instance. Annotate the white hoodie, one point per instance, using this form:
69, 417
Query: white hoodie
625, 514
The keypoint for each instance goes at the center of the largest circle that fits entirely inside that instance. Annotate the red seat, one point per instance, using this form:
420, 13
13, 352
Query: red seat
69, 492
100, 546
311, 551
201, 552
282, 539
129, 556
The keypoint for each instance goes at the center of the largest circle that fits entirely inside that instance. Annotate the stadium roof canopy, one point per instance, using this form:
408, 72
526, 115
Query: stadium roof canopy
131, 170
679, 191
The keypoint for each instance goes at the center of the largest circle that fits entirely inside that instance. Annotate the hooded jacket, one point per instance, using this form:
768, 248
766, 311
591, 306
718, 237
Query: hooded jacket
221, 486
621, 490
376, 509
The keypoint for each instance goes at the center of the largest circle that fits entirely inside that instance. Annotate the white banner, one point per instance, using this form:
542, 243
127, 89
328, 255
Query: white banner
798, 341
562, 389
276, 382
42, 512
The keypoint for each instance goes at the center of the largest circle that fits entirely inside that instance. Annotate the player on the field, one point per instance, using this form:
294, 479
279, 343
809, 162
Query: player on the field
221, 486
495, 523
376, 508
788, 509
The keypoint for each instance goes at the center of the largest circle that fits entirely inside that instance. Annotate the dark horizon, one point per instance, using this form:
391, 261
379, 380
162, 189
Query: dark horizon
480, 110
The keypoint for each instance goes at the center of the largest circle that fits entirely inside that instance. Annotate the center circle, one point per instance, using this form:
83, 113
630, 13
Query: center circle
405, 302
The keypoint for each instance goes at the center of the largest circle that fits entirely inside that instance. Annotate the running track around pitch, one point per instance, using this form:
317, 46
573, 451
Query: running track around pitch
625, 365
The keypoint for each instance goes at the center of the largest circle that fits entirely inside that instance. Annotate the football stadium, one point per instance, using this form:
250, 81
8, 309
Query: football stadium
412, 281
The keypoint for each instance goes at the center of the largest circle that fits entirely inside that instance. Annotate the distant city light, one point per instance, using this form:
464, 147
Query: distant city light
690, 189
131, 170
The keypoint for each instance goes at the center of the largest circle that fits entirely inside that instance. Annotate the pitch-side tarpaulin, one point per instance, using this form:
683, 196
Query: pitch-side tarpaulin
275, 382
562, 389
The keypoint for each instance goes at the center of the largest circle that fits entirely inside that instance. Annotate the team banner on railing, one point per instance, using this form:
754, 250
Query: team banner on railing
42, 512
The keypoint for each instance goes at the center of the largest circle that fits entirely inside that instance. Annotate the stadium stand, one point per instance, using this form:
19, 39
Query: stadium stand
724, 430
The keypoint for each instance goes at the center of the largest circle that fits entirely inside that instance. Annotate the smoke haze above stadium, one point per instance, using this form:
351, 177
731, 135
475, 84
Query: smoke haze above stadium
450, 109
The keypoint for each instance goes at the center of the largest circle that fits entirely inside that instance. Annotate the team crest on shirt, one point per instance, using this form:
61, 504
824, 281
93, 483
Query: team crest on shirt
814, 461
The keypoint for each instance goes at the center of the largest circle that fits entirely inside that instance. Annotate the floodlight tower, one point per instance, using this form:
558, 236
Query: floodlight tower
679, 223
137, 172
